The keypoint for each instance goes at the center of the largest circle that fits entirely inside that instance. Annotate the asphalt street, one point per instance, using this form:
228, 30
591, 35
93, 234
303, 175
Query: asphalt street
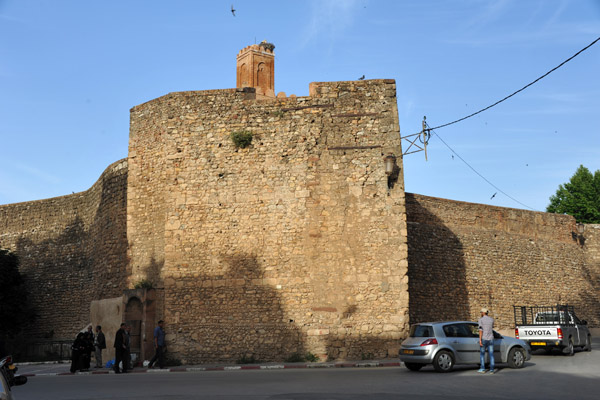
543, 377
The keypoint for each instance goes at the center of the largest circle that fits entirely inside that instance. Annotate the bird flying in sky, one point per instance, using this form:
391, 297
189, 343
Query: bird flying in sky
494, 195
362, 78
233, 10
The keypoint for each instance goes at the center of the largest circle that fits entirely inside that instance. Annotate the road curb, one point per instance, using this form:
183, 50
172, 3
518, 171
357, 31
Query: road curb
371, 364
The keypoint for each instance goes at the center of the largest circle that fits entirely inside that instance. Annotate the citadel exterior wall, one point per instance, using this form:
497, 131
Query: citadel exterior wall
72, 250
463, 256
296, 243
591, 269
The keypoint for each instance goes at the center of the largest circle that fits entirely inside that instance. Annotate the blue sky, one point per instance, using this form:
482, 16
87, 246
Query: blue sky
70, 70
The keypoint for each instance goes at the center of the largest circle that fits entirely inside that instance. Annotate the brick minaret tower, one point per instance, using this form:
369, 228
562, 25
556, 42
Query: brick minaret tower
256, 68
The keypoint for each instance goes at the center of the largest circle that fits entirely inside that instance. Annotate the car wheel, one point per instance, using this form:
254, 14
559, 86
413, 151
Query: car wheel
516, 357
443, 361
414, 366
588, 344
570, 349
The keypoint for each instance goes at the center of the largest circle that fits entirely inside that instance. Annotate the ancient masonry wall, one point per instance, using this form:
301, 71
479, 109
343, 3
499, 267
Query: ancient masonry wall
463, 256
591, 269
72, 250
296, 243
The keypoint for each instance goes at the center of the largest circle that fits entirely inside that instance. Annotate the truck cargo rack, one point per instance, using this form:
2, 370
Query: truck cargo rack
544, 315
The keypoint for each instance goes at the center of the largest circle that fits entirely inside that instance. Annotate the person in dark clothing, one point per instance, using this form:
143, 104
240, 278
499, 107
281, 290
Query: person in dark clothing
99, 344
127, 355
77, 349
120, 349
159, 345
88, 336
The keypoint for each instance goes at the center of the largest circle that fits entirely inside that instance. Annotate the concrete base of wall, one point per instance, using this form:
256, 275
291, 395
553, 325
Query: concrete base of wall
108, 313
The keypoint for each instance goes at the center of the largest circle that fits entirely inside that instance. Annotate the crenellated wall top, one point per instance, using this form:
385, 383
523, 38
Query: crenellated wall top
257, 47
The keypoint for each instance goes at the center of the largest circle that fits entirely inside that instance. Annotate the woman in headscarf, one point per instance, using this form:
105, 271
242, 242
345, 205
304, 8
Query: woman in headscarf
78, 349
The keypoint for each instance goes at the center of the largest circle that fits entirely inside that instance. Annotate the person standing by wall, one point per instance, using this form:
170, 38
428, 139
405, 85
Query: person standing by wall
127, 356
89, 339
99, 344
159, 345
120, 349
486, 340
78, 348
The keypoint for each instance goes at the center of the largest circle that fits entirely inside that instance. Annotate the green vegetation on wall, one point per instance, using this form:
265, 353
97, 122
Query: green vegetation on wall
241, 139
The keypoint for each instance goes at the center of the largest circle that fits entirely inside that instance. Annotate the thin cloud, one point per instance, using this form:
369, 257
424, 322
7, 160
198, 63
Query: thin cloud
557, 13
329, 20
493, 10
565, 33
578, 98
37, 173
10, 18
544, 24
406, 107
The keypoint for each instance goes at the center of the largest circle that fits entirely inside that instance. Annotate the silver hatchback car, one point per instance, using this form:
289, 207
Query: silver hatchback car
445, 344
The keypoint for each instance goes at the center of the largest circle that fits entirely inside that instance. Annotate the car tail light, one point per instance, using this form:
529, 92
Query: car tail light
560, 334
429, 341
517, 333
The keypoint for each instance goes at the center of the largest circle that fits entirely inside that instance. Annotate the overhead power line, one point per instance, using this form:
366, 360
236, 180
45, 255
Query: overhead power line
480, 175
523, 88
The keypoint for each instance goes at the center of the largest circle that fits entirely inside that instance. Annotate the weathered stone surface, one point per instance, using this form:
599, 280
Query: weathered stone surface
296, 243
72, 249
278, 249
463, 256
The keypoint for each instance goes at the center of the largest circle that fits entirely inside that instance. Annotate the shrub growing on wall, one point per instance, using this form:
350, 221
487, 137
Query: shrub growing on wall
143, 284
241, 139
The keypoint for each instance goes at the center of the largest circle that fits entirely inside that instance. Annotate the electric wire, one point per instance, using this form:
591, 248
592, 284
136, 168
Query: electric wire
430, 130
523, 88
474, 170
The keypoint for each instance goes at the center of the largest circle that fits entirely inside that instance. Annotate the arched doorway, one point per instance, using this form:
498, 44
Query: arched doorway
134, 311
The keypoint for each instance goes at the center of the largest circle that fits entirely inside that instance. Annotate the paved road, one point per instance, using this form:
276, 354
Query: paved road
544, 377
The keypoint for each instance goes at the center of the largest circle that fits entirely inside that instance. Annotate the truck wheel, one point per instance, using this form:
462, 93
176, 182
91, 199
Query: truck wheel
570, 349
414, 366
516, 357
443, 361
588, 344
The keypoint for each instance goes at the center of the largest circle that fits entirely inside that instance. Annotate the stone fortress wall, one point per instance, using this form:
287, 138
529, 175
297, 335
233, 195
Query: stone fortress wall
463, 256
72, 250
296, 243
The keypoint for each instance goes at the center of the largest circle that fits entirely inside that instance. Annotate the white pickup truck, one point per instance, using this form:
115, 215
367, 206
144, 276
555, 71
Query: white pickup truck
549, 327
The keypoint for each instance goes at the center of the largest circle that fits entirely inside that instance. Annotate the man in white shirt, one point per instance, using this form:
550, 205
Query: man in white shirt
486, 340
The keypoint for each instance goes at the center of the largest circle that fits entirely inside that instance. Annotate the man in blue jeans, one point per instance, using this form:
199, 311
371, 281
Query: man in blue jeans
486, 340
159, 345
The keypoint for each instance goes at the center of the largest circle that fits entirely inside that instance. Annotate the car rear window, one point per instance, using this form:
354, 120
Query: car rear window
421, 331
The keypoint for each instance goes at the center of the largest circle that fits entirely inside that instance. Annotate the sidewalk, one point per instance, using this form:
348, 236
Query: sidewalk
62, 368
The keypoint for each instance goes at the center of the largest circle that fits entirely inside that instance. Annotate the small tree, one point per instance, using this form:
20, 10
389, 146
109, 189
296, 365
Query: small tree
580, 197
15, 312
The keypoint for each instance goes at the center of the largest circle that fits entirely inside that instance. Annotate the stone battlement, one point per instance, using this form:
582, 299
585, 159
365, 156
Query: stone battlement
255, 47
